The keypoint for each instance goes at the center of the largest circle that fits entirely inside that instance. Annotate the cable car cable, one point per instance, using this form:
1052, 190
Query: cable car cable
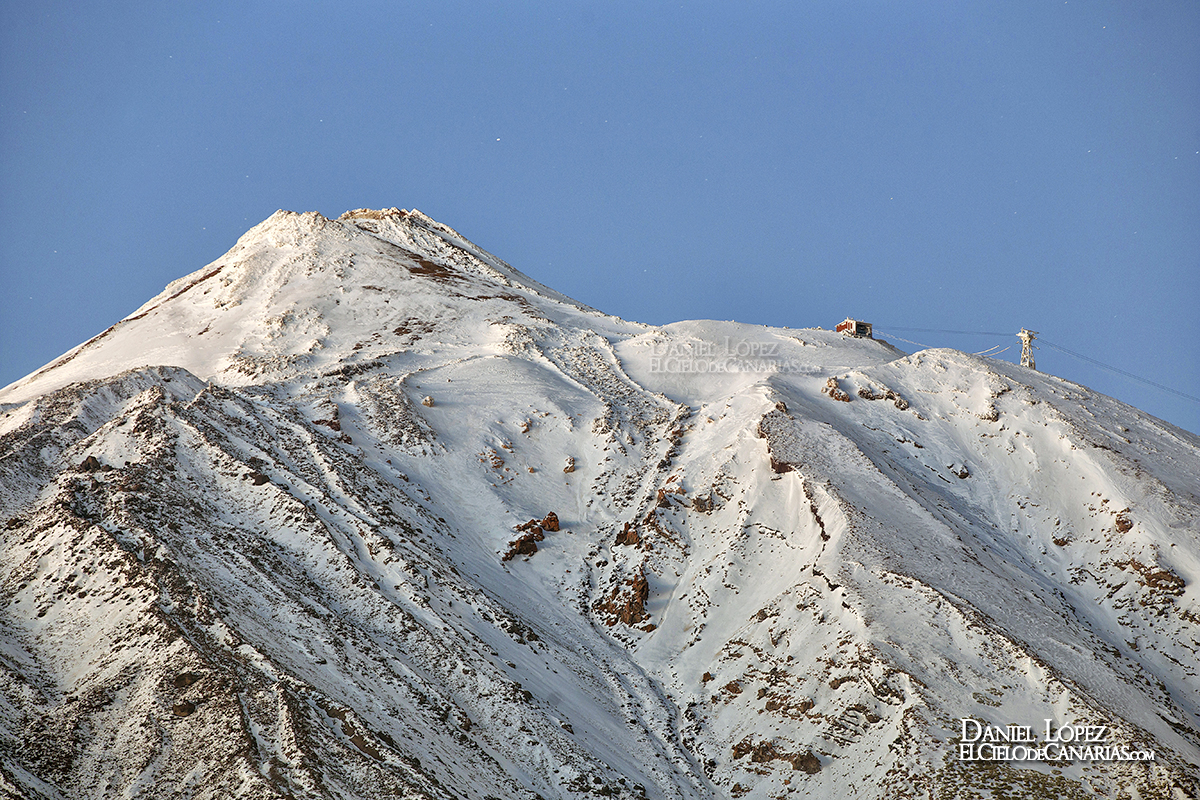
1120, 371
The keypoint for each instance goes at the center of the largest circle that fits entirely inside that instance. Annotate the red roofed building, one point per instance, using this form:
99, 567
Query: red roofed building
855, 327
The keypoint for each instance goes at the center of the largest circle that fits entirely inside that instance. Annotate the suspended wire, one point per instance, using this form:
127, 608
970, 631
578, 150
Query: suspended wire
988, 353
1120, 371
887, 331
1060, 348
939, 330
902, 339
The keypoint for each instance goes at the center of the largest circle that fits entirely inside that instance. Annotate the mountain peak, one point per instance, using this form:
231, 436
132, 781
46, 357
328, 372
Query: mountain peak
298, 291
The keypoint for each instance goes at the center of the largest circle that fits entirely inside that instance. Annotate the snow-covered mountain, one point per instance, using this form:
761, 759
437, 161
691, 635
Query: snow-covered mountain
360, 511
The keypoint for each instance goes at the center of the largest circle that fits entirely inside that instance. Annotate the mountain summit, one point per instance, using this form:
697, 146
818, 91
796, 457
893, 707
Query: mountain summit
359, 511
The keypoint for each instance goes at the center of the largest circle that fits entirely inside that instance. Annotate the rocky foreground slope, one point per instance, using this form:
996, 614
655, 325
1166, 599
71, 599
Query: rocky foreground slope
360, 511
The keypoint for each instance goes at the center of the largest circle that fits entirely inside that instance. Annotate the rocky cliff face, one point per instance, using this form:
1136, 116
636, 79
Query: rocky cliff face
359, 510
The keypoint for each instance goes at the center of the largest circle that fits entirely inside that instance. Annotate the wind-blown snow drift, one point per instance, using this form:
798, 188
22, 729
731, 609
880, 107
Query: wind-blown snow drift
266, 537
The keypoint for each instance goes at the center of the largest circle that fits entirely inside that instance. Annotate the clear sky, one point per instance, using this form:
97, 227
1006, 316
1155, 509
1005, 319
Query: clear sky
938, 165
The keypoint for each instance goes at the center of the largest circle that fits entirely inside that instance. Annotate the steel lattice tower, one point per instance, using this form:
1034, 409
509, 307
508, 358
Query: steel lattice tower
1027, 336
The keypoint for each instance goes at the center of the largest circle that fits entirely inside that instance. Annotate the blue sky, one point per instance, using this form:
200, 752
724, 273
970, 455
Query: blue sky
936, 165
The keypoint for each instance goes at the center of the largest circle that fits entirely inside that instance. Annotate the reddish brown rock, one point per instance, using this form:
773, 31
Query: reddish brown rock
524, 545
808, 762
634, 610
834, 391
627, 603
628, 535
185, 679
765, 751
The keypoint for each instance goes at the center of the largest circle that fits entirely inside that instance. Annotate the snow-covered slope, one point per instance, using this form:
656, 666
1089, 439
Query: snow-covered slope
271, 536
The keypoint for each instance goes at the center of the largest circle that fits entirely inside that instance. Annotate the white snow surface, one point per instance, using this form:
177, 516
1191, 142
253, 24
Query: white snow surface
260, 541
